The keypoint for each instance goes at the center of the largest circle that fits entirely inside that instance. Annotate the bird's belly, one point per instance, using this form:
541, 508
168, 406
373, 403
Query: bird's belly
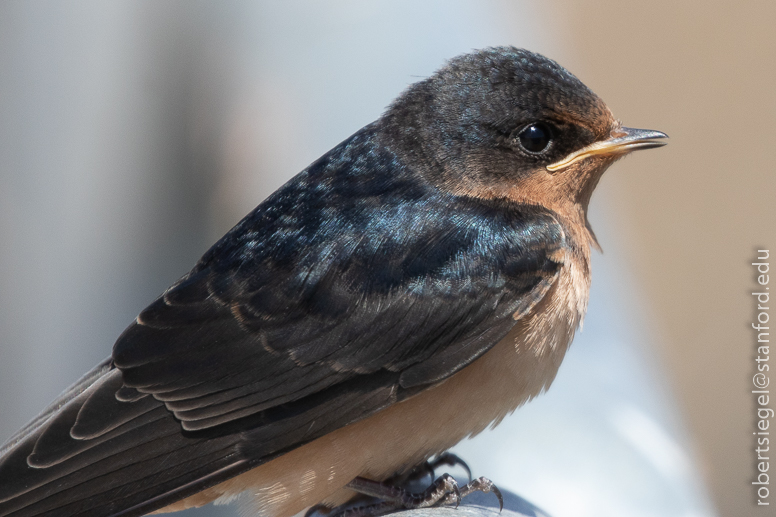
519, 367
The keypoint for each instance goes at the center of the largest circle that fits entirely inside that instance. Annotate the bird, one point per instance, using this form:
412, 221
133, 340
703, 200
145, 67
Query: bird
410, 288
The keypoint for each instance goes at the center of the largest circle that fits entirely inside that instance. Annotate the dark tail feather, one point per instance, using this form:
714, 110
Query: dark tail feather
132, 468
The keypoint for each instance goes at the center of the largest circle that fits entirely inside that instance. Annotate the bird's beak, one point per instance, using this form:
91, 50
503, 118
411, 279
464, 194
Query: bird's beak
624, 140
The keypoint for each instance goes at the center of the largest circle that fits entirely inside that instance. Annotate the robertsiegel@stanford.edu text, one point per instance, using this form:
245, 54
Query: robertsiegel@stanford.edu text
761, 379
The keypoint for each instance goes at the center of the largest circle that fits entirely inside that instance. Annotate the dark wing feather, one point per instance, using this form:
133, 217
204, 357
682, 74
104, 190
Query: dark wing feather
430, 314
50, 473
353, 287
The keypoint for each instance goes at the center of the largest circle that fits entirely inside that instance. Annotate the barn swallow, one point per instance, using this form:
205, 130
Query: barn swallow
408, 289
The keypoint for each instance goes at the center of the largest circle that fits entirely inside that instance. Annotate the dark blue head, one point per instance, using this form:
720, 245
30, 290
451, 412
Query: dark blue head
508, 123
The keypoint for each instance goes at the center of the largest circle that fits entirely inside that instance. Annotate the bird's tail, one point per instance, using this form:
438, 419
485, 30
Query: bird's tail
103, 450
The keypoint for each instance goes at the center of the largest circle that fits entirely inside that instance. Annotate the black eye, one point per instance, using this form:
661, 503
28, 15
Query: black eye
535, 138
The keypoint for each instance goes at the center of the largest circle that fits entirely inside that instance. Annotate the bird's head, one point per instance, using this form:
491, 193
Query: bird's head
512, 124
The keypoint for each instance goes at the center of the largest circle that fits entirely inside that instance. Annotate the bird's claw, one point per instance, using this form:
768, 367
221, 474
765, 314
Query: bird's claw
444, 491
451, 460
481, 484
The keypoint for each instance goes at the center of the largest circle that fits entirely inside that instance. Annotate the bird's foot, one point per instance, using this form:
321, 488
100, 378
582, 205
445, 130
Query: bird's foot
481, 484
428, 468
443, 488
451, 460
377, 498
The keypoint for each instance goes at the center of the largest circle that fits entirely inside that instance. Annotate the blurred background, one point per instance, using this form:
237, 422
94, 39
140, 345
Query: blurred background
134, 134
